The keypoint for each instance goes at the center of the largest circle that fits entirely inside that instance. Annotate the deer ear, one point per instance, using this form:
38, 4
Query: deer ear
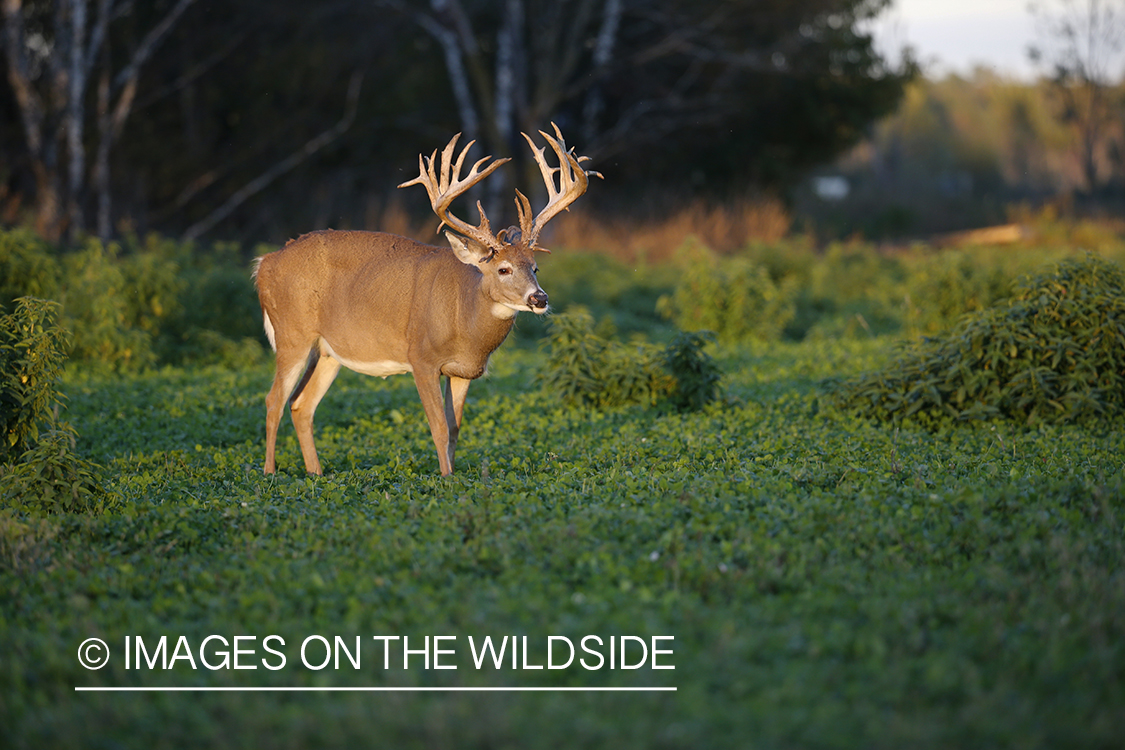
468, 253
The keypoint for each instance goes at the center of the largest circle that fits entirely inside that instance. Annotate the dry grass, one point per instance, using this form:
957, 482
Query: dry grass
724, 228
392, 217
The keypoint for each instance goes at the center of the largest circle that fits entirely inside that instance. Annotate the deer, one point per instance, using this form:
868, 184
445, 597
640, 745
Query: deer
381, 304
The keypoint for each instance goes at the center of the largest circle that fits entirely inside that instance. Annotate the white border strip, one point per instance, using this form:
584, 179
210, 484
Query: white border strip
374, 689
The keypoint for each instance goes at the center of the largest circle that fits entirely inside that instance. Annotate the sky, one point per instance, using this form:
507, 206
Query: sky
956, 35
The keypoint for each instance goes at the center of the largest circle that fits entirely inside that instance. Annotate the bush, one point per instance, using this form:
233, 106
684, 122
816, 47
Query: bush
941, 287
1055, 352
27, 268
133, 305
51, 477
39, 469
584, 367
32, 347
734, 297
696, 374
103, 309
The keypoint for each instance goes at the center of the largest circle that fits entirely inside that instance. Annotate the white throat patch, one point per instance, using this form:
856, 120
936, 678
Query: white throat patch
503, 311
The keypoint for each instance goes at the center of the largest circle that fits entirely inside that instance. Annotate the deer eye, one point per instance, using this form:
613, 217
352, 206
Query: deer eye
504, 271
535, 269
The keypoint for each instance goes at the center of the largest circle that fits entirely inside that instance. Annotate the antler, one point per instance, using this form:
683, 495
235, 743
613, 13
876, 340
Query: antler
449, 186
573, 180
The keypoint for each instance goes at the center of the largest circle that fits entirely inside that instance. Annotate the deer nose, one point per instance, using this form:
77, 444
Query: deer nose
537, 299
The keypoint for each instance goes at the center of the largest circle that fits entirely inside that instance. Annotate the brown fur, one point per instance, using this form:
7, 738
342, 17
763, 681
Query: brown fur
362, 298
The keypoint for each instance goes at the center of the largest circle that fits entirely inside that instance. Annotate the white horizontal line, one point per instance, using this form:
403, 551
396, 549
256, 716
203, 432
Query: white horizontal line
373, 689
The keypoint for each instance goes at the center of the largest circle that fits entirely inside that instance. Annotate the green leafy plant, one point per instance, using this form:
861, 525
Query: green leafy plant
734, 297
1055, 352
51, 477
696, 374
583, 367
39, 468
27, 268
586, 367
98, 305
32, 347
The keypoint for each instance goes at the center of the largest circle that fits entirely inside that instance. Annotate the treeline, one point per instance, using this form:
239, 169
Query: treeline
259, 119
970, 151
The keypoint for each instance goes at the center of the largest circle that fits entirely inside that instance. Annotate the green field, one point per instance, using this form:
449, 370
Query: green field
828, 581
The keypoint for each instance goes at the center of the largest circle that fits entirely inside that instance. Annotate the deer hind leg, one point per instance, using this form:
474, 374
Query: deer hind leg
291, 363
318, 378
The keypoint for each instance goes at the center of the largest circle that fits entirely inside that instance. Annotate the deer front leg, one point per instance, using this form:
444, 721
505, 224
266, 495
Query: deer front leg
456, 389
429, 390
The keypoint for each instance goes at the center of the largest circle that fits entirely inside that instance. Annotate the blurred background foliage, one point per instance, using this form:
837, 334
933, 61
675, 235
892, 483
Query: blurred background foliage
150, 149
140, 303
257, 120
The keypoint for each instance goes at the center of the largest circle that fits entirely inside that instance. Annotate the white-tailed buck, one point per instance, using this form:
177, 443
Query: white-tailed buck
381, 304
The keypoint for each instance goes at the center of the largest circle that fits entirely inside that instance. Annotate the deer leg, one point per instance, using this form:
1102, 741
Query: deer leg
318, 378
455, 391
429, 390
290, 365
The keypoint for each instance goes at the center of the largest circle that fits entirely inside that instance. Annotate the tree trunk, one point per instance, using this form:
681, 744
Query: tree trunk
48, 199
509, 58
603, 55
101, 161
76, 116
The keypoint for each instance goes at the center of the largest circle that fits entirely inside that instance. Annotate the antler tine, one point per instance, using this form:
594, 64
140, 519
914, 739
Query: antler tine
523, 208
443, 183
573, 181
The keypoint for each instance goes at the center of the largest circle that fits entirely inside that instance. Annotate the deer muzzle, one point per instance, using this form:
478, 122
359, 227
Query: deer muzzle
537, 300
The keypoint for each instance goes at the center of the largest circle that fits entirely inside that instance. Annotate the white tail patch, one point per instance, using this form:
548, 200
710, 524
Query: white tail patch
256, 265
269, 330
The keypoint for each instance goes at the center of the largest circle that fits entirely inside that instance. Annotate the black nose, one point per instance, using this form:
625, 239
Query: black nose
537, 299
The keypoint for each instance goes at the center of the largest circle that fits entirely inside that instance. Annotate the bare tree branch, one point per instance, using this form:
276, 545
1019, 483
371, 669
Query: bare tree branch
1082, 42
259, 183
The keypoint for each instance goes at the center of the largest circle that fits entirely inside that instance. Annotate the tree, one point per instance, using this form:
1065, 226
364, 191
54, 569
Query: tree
208, 124
1082, 41
52, 51
714, 78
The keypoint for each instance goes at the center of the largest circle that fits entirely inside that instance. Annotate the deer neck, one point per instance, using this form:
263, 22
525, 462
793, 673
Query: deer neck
488, 322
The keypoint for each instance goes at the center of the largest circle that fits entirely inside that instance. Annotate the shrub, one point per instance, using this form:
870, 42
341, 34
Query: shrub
1055, 352
32, 349
223, 325
27, 268
39, 469
734, 297
51, 477
941, 287
138, 303
696, 374
584, 367
100, 309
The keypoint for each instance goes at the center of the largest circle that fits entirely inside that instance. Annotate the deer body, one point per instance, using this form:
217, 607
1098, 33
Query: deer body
380, 304
372, 304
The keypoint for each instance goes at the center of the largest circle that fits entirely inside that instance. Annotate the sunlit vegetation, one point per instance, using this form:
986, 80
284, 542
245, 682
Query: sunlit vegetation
830, 578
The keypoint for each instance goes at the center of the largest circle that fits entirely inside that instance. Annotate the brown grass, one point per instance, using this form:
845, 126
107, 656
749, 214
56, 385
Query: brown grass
724, 228
392, 217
